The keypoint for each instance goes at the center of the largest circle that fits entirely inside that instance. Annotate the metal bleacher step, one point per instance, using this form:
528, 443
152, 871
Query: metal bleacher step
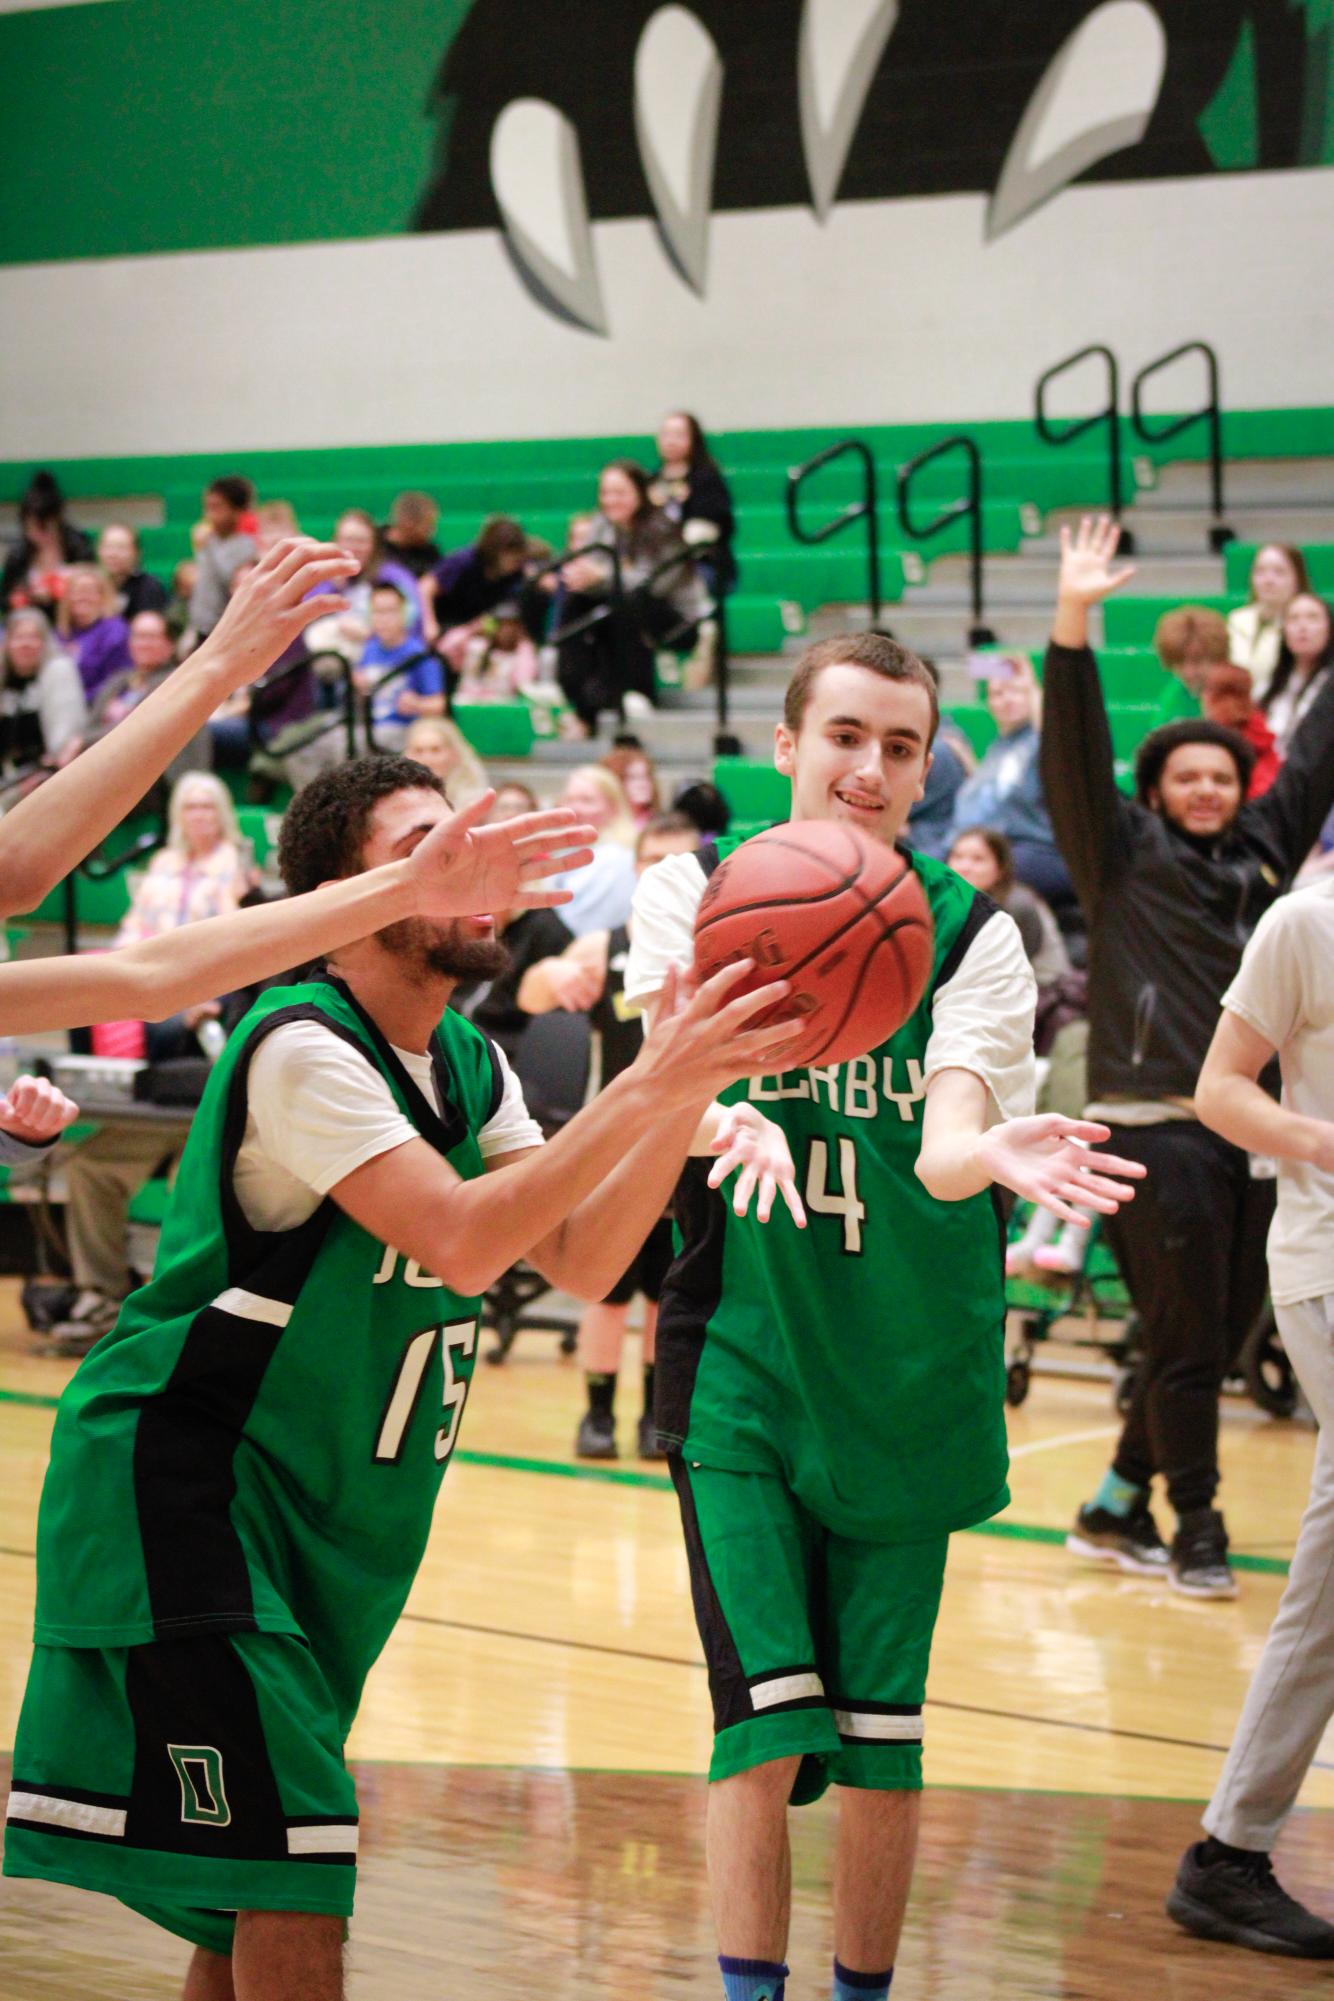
1253, 482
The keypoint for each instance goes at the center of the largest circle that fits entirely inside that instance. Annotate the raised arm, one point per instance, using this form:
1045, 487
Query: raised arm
50, 832
461, 868
1078, 767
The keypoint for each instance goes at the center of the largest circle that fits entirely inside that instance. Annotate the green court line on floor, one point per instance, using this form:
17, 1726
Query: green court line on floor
658, 1483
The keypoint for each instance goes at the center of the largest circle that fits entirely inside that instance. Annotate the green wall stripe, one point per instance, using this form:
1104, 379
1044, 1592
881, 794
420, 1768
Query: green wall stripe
617, 1476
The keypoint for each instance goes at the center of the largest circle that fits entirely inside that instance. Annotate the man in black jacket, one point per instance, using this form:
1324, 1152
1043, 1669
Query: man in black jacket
1172, 885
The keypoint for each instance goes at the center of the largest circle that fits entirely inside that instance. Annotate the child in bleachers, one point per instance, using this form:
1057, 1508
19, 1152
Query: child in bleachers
499, 661
1226, 699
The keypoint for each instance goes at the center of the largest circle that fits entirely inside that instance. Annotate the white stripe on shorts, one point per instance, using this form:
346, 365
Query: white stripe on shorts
84, 1819
253, 1306
331, 1838
785, 1688
884, 1729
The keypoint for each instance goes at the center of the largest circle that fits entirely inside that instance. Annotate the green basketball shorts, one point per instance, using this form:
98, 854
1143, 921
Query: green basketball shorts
190, 1778
817, 1645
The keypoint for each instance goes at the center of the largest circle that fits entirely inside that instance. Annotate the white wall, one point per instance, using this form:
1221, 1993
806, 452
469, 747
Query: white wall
886, 312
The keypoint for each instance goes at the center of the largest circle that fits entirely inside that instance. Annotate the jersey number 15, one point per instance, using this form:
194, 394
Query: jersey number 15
460, 1334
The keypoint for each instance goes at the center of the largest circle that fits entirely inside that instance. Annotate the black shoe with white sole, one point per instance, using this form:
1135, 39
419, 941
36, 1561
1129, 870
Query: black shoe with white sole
1131, 1542
1236, 1899
1199, 1565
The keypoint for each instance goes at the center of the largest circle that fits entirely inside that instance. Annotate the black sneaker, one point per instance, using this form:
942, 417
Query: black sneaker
1199, 1564
1241, 1903
1132, 1541
649, 1447
596, 1437
91, 1316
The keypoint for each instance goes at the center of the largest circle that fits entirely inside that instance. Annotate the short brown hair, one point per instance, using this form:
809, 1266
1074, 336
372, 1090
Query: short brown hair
873, 650
1190, 629
1227, 679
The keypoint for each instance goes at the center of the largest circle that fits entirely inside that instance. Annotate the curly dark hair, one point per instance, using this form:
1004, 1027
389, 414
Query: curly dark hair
1158, 746
324, 829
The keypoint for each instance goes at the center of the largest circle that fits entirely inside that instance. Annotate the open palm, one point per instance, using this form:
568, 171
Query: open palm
1047, 1159
465, 869
1087, 575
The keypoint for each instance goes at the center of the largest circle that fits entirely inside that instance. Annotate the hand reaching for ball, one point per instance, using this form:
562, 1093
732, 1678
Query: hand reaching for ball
745, 1139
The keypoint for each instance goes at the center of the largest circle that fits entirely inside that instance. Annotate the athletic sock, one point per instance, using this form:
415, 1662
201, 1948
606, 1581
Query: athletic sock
752, 1979
849, 1986
601, 1392
1118, 1496
648, 1389
1214, 1850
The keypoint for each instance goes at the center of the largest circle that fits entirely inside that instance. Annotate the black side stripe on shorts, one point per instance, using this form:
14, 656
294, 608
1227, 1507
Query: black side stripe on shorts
728, 1686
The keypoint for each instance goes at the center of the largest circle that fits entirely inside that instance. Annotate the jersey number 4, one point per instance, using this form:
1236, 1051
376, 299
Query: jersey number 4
461, 1334
822, 1200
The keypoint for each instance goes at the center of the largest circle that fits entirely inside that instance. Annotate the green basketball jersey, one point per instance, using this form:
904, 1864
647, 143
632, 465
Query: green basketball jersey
860, 1359
258, 1443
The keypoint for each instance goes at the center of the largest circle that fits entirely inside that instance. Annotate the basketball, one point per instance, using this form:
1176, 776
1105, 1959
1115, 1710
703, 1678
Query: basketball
843, 917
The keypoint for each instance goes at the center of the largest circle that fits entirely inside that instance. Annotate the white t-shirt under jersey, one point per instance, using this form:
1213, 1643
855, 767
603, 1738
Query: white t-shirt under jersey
1285, 989
981, 1018
318, 1110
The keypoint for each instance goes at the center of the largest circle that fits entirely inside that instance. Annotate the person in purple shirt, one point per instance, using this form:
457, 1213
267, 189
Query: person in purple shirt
472, 581
96, 640
419, 692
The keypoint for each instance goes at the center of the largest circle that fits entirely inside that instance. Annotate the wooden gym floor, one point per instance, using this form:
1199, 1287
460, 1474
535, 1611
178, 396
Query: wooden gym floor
530, 1750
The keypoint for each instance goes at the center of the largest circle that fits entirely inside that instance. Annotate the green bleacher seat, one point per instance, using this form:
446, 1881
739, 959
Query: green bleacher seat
1319, 566
754, 791
755, 625
975, 721
1131, 621
496, 729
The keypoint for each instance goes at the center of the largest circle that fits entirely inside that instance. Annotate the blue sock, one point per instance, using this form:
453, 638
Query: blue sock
1118, 1496
752, 1979
860, 1986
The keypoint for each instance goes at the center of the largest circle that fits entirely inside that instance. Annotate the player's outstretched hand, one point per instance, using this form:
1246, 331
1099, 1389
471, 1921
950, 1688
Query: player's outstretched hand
1087, 575
745, 1139
1047, 1159
702, 1041
273, 605
465, 869
35, 1111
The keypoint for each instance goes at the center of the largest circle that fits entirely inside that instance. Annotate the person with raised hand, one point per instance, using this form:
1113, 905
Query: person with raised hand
46, 836
1172, 883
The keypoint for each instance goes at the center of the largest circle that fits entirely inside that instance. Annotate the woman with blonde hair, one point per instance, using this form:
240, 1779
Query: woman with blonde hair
603, 891
442, 747
199, 872
96, 639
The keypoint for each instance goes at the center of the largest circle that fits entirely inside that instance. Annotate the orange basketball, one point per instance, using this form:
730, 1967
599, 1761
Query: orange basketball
842, 917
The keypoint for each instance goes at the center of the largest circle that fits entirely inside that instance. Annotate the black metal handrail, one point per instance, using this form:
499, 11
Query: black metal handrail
1219, 534
968, 506
1109, 414
866, 509
99, 868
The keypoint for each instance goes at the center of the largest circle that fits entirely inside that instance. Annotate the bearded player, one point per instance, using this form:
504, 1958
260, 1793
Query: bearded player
831, 1392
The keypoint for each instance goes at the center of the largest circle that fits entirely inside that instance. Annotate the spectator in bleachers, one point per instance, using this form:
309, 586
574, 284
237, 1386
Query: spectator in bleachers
1304, 661
931, 818
499, 661
704, 805
604, 890
43, 710
1226, 699
96, 639
121, 559
610, 664
1255, 629
409, 536
984, 857
588, 977
689, 487
152, 659
1171, 883
442, 747
418, 692
222, 550
357, 535
281, 702
512, 798
274, 520
1005, 791
635, 769
470, 582
1188, 642
183, 579
198, 874
34, 570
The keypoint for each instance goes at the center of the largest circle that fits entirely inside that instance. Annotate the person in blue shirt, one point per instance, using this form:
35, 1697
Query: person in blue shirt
396, 704
1005, 791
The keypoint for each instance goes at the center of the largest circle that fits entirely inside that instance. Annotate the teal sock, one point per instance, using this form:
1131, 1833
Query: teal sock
752, 1979
849, 1986
1117, 1496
